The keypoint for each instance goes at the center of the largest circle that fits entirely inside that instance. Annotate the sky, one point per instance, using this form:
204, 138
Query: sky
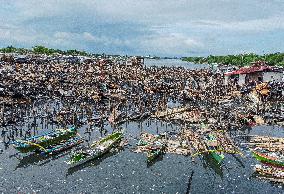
145, 27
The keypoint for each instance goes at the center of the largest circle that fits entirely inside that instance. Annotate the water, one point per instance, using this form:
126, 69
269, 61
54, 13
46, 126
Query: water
174, 63
127, 172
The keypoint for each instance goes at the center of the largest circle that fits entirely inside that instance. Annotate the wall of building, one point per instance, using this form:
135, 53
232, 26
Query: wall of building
266, 76
256, 76
277, 76
242, 79
226, 81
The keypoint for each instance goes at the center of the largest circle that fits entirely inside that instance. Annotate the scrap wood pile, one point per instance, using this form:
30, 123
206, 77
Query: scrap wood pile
267, 171
172, 144
259, 120
250, 119
185, 143
188, 116
266, 90
276, 180
269, 151
188, 142
4, 100
153, 145
221, 143
272, 144
194, 139
147, 140
169, 111
226, 143
262, 89
184, 114
270, 172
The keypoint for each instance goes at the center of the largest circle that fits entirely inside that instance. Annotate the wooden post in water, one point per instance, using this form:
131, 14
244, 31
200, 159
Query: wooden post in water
3, 113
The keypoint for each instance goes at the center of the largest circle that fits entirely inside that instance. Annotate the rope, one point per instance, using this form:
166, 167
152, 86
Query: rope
37, 145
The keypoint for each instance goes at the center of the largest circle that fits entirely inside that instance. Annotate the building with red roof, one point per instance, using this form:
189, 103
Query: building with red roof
258, 71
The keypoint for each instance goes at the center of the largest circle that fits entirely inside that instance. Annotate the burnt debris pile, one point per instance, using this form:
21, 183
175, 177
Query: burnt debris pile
64, 91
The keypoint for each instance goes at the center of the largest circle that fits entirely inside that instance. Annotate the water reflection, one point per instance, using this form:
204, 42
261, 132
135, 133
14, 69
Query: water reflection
211, 163
92, 122
38, 159
156, 160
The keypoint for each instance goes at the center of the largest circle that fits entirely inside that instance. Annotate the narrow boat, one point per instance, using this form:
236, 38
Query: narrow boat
96, 150
211, 143
62, 146
155, 150
269, 171
269, 158
42, 141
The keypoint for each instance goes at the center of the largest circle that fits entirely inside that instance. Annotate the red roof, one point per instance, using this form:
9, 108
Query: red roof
251, 69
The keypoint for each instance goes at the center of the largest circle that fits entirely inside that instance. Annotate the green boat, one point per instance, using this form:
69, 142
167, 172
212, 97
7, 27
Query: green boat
268, 158
41, 142
96, 150
218, 157
155, 150
211, 143
62, 146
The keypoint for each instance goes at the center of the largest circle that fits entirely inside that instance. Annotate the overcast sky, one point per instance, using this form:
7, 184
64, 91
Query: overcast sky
141, 27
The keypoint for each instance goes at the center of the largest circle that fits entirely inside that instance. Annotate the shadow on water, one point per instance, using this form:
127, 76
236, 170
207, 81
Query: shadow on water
238, 160
268, 179
211, 163
38, 159
158, 159
93, 163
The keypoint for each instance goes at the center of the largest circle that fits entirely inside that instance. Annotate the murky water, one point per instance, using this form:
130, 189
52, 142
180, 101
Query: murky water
121, 171
124, 171
174, 63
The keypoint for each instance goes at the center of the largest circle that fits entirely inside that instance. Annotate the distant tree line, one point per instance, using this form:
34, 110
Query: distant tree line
275, 59
43, 50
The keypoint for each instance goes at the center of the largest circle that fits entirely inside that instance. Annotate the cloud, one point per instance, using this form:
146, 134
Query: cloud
12, 35
267, 24
163, 27
169, 44
89, 37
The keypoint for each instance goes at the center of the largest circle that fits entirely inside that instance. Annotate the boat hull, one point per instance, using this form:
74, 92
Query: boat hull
265, 159
118, 137
60, 148
43, 141
210, 139
151, 156
270, 171
218, 157
88, 159
155, 153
